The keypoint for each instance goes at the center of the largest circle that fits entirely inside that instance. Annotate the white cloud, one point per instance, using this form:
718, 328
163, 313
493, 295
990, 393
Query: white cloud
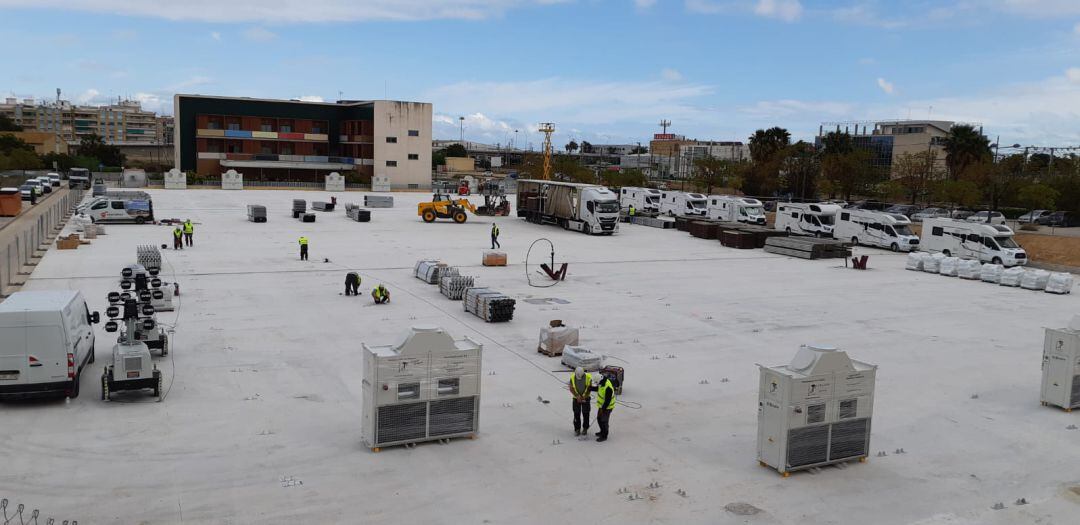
215, 35
1073, 74
671, 74
197, 80
885, 85
644, 4
1076, 28
90, 96
259, 34
786, 10
311, 98
289, 11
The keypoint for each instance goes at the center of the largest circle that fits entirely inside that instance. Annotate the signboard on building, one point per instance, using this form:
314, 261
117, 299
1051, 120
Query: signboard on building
664, 136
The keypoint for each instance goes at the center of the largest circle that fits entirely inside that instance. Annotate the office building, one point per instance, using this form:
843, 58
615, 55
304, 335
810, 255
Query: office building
888, 140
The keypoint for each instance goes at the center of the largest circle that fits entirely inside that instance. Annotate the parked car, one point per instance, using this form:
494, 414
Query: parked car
46, 184
902, 209
36, 184
961, 213
995, 217
930, 213
28, 192
1033, 216
1060, 218
54, 179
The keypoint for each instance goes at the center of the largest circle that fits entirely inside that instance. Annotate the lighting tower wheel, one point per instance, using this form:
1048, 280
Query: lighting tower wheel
164, 345
105, 385
785, 474
460, 217
157, 383
429, 215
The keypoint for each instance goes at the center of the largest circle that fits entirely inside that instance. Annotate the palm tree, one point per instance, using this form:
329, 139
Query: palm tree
964, 147
766, 143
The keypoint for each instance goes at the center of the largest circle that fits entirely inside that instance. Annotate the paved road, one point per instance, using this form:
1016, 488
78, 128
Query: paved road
45, 200
14, 228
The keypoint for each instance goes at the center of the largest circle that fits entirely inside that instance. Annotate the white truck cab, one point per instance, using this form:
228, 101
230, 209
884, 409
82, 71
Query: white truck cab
731, 208
682, 204
989, 243
45, 342
642, 199
804, 218
876, 228
599, 210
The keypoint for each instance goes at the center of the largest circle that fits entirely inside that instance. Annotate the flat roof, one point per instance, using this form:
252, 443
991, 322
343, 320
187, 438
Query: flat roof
341, 103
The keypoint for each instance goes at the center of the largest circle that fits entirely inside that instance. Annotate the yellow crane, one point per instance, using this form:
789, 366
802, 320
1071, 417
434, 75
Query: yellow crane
547, 128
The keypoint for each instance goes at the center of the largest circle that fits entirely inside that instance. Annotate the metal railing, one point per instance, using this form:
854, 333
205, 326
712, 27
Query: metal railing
32, 239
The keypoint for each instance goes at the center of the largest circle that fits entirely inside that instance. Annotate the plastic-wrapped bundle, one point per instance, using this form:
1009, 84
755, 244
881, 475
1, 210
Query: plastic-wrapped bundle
949, 266
1034, 279
454, 286
554, 338
1012, 276
991, 273
489, 305
932, 264
430, 271
1059, 282
968, 269
915, 260
576, 356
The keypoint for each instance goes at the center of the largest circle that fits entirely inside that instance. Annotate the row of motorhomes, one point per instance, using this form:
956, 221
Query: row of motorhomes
685, 204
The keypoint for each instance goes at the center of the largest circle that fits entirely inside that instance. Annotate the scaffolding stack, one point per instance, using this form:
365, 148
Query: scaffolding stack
454, 286
357, 213
489, 305
148, 256
430, 270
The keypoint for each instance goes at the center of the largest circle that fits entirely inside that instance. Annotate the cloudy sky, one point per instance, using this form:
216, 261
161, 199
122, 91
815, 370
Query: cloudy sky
601, 70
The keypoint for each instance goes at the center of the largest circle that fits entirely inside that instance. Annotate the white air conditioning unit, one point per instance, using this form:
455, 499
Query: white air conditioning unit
1061, 366
815, 410
425, 387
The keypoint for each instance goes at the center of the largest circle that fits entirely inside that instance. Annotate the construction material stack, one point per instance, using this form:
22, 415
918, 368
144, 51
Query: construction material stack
807, 247
1061, 366
256, 213
357, 213
307, 217
494, 258
489, 305
555, 337
426, 387
703, 229
454, 286
575, 356
322, 206
430, 270
815, 410
737, 239
378, 201
148, 256
299, 207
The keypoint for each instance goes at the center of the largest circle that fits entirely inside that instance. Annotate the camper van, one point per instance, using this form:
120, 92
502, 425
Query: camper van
876, 228
804, 218
45, 342
992, 243
678, 203
642, 199
736, 209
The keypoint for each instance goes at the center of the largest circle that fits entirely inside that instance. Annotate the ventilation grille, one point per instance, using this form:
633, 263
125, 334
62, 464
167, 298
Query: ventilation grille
849, 439
848, 408
401, 422
815, 414
808, 445
1074, 400
132, 363
452, 416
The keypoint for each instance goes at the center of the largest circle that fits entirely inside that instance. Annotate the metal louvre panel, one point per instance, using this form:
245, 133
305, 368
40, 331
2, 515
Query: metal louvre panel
849, 439
401, 422
807, 445
132, 363
815, 414
849, 408
1074, 400
452, 416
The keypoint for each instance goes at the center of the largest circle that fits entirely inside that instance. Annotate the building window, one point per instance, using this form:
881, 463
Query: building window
266, 126
234, 126
414, 156
286, 149
285, 128
391, 140
391, 163
213, 125
414, 133
317, 127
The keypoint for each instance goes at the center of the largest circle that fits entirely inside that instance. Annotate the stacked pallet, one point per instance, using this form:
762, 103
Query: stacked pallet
681, 223
454, 286
378, 201
307, 217
703, 229
807, 247
299, 206
489, 305
430, 271
357, 213
494, 258
760, 233
148, 256
653, 222
322, 206
738, 239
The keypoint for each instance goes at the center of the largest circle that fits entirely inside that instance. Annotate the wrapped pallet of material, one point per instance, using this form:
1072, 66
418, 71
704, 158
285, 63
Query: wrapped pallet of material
1059, 282
969, 269
494, 258
991, 273
431, 271
915, 260
554, 338
1012, 276
949, 266
454, 286
932, 264
576, 356
489, 305
1034, 280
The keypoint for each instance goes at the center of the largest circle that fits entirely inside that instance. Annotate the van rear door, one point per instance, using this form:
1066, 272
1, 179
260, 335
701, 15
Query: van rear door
14, 365
46, 351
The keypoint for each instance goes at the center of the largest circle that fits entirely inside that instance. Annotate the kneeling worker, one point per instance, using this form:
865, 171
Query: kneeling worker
380, 294
352, 283
605, 403
580, 387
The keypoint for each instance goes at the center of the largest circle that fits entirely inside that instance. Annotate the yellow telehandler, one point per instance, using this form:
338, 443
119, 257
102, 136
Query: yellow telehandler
443, 207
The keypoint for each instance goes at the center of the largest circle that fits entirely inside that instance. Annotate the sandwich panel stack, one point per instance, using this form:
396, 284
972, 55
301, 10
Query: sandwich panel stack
430, 271
322, 206
307, 217
702, 229
681, 223
378, 201
357, 213
807, 247
653, 222
737, 239
299, 206
489, 305
454, 286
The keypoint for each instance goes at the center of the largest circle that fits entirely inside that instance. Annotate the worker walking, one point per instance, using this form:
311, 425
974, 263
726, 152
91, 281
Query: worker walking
605, 403
380, 294
303, 248
189, 231
580, 386
352, 283
178, 239
495, 236
632, 210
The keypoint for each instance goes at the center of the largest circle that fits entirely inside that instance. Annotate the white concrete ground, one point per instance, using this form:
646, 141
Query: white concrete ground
266, 380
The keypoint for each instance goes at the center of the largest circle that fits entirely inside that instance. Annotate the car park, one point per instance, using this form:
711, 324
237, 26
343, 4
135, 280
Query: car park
960, 214
1060, 218
902, 209
930, 213
996, 217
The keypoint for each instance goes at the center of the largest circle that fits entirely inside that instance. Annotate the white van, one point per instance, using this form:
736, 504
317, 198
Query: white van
736, 209
118, 209
643, 199
45, 342
876, 228
682, 204
804, 218
991, 243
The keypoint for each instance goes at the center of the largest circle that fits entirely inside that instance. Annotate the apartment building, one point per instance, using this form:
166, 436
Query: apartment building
122, 123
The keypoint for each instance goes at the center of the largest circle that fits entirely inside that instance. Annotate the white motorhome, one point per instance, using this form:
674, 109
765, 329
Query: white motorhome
679, 203
992, 243
804, 218
736, 209
45, 342
587, 208
876, 228
643, 199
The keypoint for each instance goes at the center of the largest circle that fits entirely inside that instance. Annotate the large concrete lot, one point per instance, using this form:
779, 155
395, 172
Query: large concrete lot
266, 377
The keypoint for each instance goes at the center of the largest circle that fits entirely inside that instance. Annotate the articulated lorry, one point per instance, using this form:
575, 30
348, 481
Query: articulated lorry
585, 208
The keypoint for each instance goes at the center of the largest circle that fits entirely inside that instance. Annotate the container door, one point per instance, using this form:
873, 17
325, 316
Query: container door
14, 366
46, 354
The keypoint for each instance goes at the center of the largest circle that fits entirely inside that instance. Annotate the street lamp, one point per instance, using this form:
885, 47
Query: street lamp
461, 123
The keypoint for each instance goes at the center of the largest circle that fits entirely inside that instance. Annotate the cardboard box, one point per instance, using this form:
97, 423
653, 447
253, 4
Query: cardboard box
71, 242
493, 258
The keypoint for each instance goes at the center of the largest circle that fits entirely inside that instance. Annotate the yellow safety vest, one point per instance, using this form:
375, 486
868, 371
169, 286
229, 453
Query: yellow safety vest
631, 211
189, 228
602, 400
380, 292
583, 393
177, 233
494, 230
303, 241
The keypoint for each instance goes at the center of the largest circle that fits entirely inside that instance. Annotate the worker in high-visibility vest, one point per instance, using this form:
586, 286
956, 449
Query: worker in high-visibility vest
605, 403
303, 248
178, 239
580, 387
632, 210
380, 294
352, 283
495, 236
189, 231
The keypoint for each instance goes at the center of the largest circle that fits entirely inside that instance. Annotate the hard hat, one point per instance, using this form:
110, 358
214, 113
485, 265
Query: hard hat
579, 372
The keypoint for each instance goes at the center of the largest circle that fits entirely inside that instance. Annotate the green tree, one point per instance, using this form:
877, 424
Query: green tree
20, 159
9, 142
767, 150
913, 174
1038, 196
93, 146
837, 143
765, 144
571, 146
456, 150
850, 173
6, 124
958, 192
63, 161
586, 147
799, 170
639, 149
623, 178
711, 172
964, 146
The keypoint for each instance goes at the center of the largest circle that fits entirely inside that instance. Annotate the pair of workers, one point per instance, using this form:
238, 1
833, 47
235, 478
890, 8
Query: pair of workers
183, 232
581, 389
352, 287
